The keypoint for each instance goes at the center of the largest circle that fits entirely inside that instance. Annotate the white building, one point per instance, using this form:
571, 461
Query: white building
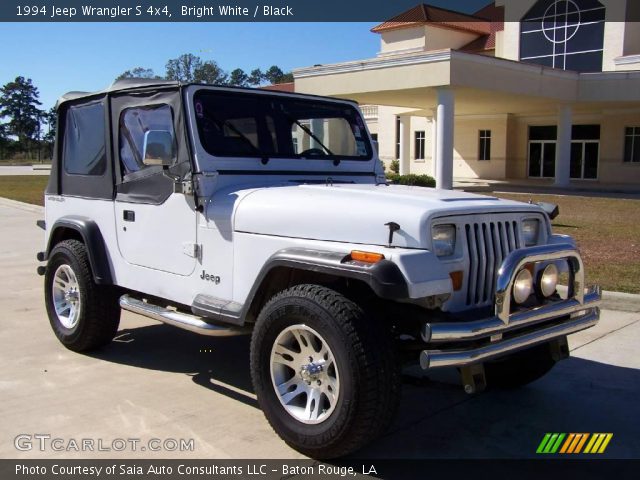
553, 96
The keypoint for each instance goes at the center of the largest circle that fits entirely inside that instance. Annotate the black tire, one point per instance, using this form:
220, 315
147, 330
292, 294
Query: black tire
520, 368
364, 354
99, 313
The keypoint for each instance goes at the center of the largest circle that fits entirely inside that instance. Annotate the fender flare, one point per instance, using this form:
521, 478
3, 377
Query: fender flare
384, 278
94, 242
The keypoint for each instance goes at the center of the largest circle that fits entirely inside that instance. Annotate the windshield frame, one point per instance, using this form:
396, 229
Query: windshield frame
301, 161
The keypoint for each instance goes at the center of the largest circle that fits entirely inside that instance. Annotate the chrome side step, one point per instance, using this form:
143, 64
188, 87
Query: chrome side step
178, 319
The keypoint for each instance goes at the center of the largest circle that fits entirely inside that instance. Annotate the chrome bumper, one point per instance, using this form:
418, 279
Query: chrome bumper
581, 309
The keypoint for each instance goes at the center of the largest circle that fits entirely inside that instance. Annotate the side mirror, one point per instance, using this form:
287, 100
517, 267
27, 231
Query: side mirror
550, 209
158, 148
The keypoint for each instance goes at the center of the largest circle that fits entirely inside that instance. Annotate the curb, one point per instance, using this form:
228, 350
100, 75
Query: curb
624, 302
6, 202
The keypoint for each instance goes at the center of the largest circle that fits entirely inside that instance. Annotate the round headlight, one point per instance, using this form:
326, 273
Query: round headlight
548, 280
522, 286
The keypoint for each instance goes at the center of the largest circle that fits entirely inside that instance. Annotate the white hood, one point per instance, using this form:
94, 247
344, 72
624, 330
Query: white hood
357, 213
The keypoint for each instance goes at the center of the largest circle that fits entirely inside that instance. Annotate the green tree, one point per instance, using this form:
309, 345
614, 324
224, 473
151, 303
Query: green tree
287, 78
274, 74
183, 68
138, 72
5, 141
238, 78
50, 117
256, 77
190, 68
19, 103
210, 72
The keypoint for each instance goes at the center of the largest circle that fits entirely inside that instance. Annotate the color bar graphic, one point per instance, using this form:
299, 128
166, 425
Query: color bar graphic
598, 443
574, 443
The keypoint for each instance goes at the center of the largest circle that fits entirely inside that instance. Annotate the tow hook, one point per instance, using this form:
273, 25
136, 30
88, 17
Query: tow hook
473, 379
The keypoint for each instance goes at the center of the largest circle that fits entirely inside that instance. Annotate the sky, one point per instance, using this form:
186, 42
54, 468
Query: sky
88, 56
60, 57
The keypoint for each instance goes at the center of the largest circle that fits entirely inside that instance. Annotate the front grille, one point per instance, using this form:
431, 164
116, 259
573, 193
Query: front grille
488, 244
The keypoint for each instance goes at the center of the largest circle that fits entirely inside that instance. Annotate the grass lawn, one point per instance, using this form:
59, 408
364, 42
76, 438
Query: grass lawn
607, 229
25, 161
24, 188
608, 234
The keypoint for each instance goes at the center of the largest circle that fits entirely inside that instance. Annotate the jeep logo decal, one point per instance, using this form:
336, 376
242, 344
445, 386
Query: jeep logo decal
210, 278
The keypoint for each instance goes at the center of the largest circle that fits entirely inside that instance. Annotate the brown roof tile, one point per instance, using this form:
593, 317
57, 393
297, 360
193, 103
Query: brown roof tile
424, 14
487, 42
281, 87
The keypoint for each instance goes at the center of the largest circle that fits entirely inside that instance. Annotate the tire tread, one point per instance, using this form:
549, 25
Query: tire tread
372, 348
100, 310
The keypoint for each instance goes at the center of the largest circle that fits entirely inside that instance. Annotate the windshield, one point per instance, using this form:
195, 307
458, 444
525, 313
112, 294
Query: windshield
242, 124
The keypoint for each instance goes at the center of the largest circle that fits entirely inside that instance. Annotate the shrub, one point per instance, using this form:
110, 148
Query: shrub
411, 179
391, 177
394, 166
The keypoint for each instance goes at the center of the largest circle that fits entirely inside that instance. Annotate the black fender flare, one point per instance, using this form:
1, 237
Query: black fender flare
384, 277
94, 242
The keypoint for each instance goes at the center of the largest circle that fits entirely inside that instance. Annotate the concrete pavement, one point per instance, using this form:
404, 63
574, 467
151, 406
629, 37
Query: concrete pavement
155, 381
37, 169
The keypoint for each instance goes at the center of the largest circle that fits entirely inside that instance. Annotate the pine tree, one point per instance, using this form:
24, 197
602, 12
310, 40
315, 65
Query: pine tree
19, 103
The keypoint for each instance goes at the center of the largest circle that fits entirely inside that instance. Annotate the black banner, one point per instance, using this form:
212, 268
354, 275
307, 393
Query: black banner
263, 10
310, 469
201, 10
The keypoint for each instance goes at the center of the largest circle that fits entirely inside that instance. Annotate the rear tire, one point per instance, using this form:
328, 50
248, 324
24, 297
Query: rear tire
520, 368
324, 371
84, 316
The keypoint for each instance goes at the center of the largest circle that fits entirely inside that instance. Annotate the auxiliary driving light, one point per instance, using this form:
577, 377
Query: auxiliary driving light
548, 280
522, 286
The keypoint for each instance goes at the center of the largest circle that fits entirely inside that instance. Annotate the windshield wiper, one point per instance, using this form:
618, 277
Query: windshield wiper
310, 133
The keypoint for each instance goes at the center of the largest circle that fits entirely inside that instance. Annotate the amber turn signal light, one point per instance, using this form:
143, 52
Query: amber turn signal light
366, 257
456, 279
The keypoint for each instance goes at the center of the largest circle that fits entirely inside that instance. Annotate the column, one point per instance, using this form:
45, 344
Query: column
317, 128
434, 150
563, 147
444, 138
405, 139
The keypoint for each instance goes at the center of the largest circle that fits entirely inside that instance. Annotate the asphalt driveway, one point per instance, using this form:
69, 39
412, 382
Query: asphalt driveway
155, 381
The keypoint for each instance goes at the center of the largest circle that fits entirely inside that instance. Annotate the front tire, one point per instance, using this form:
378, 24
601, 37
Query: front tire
324, 371
83, 315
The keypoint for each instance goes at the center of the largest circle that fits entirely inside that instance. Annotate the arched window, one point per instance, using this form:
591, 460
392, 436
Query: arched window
566, 34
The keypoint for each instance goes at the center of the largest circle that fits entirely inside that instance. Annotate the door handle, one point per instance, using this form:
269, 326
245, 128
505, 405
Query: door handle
129, 216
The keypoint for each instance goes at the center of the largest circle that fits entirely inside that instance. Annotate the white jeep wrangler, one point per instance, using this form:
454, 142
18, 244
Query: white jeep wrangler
229, 211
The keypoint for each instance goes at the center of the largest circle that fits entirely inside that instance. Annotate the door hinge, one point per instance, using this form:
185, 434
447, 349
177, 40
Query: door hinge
187, 187
191, 249
183, 186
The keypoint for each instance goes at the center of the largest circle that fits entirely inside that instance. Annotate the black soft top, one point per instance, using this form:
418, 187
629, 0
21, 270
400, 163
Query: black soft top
118, 86
141, 83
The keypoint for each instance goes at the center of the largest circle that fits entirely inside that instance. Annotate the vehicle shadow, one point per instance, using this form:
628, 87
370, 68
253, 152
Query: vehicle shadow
436, 418
219, 364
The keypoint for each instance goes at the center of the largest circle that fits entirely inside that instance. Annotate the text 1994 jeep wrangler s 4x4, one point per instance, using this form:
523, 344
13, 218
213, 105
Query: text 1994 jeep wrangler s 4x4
226, 211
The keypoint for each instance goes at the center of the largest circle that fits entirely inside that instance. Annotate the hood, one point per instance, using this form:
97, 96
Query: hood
358, 213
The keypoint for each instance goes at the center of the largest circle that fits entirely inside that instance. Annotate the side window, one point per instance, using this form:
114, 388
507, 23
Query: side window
84, 148
134, 125
484, 145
